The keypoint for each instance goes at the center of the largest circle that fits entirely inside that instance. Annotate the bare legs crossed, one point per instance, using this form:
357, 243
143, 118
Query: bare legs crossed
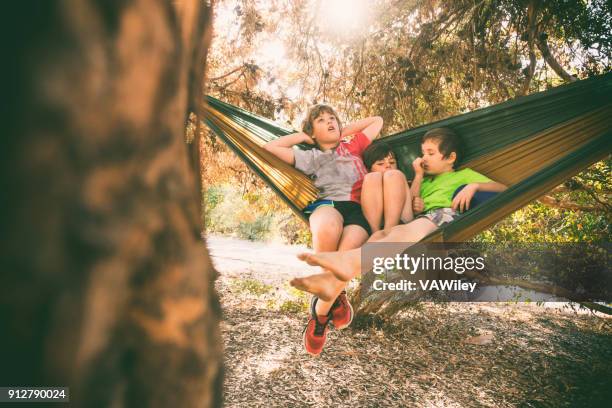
329, 235
345, 265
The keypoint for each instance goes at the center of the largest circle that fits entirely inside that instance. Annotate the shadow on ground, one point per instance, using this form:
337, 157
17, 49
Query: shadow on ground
535, 358
445, 355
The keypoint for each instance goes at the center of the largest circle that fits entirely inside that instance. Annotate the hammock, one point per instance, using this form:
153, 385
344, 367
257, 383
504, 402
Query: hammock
532, 144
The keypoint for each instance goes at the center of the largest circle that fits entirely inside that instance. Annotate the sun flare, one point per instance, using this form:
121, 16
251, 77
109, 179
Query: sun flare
342, 15
272, 52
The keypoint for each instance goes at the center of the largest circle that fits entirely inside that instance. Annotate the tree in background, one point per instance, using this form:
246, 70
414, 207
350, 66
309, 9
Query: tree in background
414, 62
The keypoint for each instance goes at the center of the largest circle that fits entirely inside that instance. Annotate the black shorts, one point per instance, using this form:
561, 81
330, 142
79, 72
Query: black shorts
350, 211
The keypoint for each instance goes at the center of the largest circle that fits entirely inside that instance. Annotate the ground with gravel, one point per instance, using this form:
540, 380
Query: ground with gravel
431, 355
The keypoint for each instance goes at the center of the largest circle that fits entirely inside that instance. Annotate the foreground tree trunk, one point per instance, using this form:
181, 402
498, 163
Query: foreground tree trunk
106, 285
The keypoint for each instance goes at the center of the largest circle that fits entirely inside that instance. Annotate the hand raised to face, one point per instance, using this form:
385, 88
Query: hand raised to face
417, 165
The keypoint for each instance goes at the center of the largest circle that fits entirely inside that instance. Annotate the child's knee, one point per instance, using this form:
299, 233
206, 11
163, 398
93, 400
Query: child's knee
373, 178
331, 228
395, 175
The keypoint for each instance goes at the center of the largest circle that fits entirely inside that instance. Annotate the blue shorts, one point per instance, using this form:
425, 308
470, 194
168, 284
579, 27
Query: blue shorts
350, 211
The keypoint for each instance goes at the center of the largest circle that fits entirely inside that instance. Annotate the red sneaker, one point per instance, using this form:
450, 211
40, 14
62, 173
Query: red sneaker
316, 330
341, 312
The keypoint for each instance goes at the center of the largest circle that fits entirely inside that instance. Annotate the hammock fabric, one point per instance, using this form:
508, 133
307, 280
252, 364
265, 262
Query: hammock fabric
532, 144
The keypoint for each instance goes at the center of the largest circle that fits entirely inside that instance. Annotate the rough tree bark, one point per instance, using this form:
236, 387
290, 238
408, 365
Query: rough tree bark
106, 285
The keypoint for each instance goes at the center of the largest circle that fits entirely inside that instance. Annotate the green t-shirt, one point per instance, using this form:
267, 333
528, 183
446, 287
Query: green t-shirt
437, 192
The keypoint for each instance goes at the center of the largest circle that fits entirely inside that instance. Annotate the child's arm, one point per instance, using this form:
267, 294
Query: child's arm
415, 187
370, 127
283, 146
462, 200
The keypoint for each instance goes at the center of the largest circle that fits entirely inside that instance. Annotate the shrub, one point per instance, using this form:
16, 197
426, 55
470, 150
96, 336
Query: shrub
257, 230
255, 216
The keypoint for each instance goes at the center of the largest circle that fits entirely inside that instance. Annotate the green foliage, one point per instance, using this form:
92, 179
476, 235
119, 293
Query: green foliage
587, 217
252, 286
257, 215
539, 223
298, 294
284, 300
298, 303
256, 230
231, 213
293, 306
212, 197
221, 206
294, 231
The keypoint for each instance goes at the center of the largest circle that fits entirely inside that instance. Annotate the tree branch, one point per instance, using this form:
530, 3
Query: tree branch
577, 185
227, 74
356, 77
550, 59
530, 70
568, 205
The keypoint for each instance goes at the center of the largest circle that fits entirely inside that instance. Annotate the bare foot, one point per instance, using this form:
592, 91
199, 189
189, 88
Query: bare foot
344, 265
377, 236
321, 284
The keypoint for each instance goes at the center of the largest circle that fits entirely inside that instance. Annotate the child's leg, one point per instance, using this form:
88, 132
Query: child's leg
353, 236
407, 214
372, 199
345, 265
326, 228
395, 195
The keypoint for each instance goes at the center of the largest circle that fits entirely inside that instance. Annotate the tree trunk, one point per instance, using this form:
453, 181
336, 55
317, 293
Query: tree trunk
106, 286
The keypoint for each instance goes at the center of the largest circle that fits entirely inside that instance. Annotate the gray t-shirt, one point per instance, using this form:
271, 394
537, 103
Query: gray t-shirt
337, 173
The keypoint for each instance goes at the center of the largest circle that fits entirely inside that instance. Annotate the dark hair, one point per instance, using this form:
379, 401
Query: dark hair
448, 142
313, 112
375, 152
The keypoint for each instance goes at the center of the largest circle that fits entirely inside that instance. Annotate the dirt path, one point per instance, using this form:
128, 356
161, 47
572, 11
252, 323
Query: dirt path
523, 355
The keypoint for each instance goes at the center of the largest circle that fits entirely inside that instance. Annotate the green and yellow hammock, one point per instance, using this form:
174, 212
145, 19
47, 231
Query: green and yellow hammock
532, 144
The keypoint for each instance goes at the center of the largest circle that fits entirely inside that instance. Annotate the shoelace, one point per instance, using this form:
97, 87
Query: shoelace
319, 327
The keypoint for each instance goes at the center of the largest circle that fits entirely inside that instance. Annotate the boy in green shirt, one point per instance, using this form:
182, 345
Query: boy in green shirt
433, 195
432, 189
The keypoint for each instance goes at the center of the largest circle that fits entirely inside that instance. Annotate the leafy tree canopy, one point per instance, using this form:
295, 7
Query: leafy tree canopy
412, 62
